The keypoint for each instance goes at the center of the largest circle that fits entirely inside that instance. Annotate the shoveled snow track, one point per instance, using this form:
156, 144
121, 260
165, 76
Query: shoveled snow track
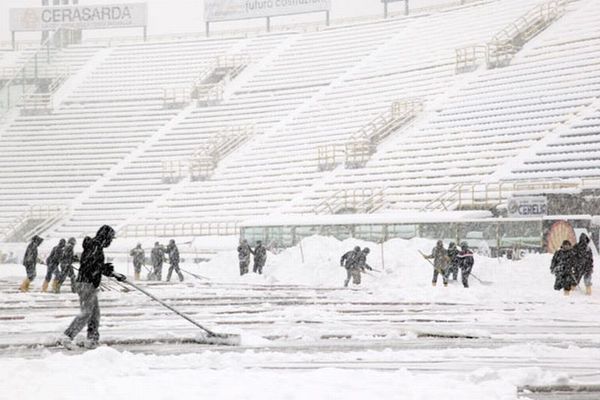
299, 328
292, 319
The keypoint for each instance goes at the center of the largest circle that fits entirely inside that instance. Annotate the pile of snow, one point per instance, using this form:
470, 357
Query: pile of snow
107, 373
405, 274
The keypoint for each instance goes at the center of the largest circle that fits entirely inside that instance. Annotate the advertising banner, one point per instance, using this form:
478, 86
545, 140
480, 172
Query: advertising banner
81, 17
527, 206
227, 10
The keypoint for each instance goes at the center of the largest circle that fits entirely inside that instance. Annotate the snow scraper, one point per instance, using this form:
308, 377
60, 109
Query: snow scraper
211, 338
203, 278
486, 283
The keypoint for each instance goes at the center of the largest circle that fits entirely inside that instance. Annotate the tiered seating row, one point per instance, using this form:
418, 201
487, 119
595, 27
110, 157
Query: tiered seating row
282, 166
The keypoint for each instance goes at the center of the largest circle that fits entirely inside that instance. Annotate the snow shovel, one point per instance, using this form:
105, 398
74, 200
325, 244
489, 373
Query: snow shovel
430, 262
107, 287
194, 275
212, 338
486, 283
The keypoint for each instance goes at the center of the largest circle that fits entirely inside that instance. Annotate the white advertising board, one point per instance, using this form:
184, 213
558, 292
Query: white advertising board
81, 17
227, 10
527, 206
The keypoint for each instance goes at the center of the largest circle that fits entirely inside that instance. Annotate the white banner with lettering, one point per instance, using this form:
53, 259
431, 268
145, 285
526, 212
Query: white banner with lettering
81, 17
527, 206
225, 10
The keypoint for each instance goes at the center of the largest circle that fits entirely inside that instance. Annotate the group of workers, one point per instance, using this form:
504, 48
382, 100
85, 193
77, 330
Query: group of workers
260, 257
157, 258
448, 262
570, 264
59, 265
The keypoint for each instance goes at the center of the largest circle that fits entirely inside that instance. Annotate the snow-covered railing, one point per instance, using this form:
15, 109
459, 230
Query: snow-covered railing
364, 200
25, 77
36, 220
180, 229
206, 158
468, 58
176, 97
530, 24
207, 95
590, 182
173, 170
41, 102
508, 41
363, 143
486, 196
209, 86
235, 63
500, 50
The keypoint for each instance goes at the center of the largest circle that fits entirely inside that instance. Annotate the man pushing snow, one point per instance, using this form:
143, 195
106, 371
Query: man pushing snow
355, 262
90, 275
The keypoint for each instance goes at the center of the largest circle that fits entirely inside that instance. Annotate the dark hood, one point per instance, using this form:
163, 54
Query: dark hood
584, 240
105, 235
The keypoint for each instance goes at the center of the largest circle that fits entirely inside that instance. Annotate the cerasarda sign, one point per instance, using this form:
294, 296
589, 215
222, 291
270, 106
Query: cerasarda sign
527, 206
82, 17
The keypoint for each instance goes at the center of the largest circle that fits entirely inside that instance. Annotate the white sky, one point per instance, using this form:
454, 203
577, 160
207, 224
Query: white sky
177, 16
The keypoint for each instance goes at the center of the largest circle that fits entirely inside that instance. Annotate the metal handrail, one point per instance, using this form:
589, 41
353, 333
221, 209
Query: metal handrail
546, 12
45, 43
37, 211
205, 159
352, 198
20, 73
180, 229
463, 194
210, 92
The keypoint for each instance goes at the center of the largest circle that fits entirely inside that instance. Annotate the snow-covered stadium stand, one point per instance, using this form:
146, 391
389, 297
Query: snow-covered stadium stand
101, 152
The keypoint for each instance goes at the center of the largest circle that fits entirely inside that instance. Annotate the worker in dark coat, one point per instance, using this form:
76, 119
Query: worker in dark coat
260, 257
92, 267
440, 262
173, 253
158, 257
30, 261
452, 262
584, 266
139, 258
347, 261
66, 267
359, 265
52, 262
466, 261
563, 268
244, 252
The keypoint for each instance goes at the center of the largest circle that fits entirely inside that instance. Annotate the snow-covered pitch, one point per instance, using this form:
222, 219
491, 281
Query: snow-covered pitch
306, 337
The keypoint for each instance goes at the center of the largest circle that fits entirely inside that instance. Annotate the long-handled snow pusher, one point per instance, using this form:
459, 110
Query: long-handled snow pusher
195, 275
106, 286
429, 261
486, 283
212, 337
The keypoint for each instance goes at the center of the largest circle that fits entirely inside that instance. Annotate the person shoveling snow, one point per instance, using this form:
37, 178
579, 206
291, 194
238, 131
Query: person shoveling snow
88, 280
